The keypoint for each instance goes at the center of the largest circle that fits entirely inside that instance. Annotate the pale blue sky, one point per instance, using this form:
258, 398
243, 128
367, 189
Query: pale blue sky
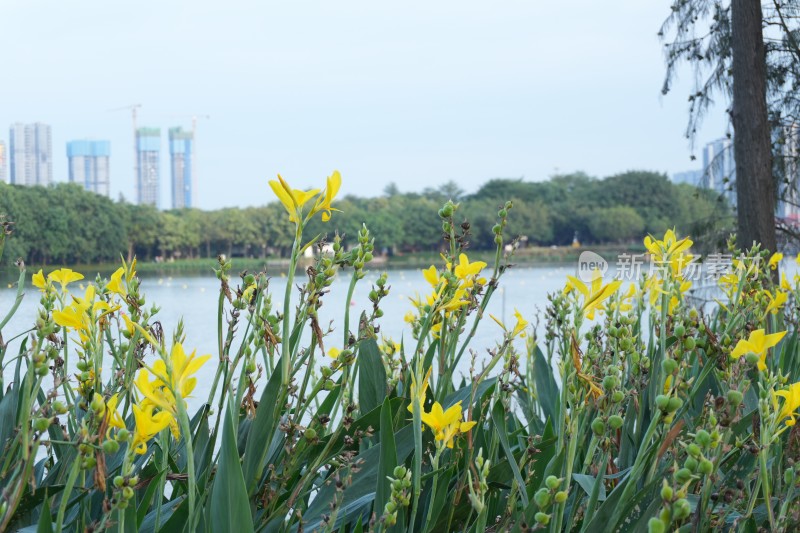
413, 92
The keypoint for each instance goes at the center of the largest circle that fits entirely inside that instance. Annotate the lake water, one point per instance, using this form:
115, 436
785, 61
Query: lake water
194, 299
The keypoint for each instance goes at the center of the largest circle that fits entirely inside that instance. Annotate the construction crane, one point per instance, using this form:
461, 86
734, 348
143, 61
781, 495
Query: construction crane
133, 108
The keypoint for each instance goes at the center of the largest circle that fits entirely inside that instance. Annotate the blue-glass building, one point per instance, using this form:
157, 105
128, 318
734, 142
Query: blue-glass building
181, 153
148, 163
89, 165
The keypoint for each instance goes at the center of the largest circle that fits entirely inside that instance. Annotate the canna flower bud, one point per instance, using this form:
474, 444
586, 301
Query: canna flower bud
41, 424
683, 475
703, 438
681, 509
674, 404
734, 398
669, 366
666, 491
655, 525
693, 450
542, 498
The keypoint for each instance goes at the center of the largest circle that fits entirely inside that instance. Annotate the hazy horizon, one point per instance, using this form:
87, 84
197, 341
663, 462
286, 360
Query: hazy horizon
417, 94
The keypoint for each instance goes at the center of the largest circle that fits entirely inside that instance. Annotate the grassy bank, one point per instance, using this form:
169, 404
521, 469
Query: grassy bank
533, 256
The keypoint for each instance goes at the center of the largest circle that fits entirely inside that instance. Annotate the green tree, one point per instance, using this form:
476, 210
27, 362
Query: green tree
724, 42
617, 224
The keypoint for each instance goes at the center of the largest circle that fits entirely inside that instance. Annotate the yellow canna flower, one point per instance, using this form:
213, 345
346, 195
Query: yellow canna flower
155, 392
410, 317
459, 300
129, 327
115, 283
623, 303
419, 395
785, 283
71, 318
293, 200
64, 276
758, 343
39, 281
568, 288
431, 275
519, 327
113, 418
465, 269
775, 302
663, 250
446, 425
182, 369
594, 294
148, 425
774, 260
729, 283
791, 401
331, 190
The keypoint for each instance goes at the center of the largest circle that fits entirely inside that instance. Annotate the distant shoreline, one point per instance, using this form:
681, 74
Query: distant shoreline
525, 257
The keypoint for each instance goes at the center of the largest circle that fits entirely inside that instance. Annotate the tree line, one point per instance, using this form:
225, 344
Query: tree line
63, 224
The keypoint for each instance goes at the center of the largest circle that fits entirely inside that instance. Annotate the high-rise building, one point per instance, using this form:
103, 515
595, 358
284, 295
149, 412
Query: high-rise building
89, 165
181, 153
2, 161
31, 154
720, 168
148, 152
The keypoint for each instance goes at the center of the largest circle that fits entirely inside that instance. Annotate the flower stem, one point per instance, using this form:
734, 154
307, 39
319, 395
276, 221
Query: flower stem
762, 456
287, 300
62, 507
435, 467
183, 420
